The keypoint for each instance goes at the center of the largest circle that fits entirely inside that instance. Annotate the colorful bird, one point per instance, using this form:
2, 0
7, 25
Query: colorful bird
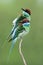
21, 25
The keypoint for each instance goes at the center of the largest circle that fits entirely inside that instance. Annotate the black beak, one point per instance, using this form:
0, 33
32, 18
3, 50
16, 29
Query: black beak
22, 9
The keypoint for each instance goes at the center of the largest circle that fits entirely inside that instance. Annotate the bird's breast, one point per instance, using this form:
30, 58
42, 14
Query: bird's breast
26, 26
22, 34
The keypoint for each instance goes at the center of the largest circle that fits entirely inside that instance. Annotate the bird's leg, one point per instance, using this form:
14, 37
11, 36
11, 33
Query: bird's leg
20, 51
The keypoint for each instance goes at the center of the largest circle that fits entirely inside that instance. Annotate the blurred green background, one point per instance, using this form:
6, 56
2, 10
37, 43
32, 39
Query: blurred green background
32, 46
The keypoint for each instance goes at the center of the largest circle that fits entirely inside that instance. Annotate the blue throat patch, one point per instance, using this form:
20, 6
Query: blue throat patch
26, 24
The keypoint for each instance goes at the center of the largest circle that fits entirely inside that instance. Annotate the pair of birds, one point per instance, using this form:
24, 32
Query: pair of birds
21, 25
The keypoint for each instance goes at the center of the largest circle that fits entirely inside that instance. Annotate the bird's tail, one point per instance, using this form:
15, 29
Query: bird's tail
12, 46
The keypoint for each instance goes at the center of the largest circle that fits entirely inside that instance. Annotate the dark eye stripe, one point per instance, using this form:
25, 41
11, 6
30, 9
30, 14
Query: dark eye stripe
25, 20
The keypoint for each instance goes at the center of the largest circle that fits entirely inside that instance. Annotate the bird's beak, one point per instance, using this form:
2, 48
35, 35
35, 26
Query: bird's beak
22, 9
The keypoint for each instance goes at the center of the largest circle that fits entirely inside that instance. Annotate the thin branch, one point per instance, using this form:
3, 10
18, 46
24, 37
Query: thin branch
20, 51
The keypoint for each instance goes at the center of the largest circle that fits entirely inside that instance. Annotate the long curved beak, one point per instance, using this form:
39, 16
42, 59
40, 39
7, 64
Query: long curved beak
22, 9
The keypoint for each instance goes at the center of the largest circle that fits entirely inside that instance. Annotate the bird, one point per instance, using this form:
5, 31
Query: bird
21, 25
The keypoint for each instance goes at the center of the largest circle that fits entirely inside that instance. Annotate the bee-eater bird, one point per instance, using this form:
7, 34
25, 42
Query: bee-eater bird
21, 25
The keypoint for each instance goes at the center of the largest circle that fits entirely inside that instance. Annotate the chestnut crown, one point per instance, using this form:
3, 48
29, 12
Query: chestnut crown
27, 10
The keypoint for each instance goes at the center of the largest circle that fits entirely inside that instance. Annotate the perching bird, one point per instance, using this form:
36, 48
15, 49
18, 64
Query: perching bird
21, 25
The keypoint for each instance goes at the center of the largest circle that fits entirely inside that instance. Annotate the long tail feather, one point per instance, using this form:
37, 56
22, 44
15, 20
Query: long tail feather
12, 46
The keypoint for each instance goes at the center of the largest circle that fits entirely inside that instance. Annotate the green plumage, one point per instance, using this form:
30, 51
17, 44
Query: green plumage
19, 30
19, 20
19, 27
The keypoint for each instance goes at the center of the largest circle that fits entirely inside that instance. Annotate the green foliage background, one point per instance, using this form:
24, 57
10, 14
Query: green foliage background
32, 46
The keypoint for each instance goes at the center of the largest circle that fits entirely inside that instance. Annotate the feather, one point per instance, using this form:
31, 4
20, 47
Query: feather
12, 31
14, 22
12, 46
13, 35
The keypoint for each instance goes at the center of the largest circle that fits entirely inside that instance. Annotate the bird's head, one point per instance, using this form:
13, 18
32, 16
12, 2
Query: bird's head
26, 12
26, 24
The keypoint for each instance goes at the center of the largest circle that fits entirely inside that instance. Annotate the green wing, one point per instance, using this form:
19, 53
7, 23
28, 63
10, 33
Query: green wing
19, 30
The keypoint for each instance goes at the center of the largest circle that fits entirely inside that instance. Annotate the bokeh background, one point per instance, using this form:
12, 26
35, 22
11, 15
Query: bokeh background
32, 46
